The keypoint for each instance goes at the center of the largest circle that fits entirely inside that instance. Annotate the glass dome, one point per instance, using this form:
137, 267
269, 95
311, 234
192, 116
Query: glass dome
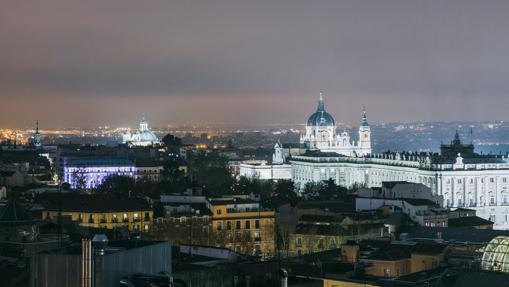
495, 256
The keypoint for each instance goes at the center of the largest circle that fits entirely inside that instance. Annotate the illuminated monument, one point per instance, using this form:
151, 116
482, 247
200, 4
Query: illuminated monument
142, 137
321, 134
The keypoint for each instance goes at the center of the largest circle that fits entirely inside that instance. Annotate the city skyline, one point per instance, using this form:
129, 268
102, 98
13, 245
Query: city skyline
229, 62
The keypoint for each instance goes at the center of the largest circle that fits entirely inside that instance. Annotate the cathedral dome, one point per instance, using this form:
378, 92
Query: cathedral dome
147, 136
321, 117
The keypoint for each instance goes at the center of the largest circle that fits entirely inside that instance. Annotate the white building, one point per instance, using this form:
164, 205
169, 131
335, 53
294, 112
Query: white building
260, 169
142, 137
478, 182
321, 134
459, 175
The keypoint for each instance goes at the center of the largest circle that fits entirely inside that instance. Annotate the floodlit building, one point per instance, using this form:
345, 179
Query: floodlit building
87, 173
260, 169
241, 225
135, 214
460, 176
321, 134
142, 137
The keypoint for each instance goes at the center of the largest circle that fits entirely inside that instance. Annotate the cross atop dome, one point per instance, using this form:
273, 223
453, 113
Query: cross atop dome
321, 106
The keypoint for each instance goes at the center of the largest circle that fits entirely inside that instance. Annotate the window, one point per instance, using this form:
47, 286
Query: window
146, 227
257, 224
492, 200
320, 243
147, 216
387, 272
504, 179
218, 211
90, 218
248, 224
219, 226
238, 224
492, 179
125, 217
103, 218
492, 217
257, 235
298, 241
114, 218
183, 220
228, 225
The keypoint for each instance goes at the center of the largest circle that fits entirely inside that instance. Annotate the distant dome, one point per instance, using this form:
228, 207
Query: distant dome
147, 136
321, 117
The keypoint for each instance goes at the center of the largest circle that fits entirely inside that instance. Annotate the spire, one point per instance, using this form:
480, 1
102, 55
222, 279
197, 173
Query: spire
456, 138
37, 136
364, 118
321, 106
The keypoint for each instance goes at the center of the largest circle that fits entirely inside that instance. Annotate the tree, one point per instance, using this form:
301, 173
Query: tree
211, 172
80, 180
172, 143
284, 192
119, 185
247, 186
311, 190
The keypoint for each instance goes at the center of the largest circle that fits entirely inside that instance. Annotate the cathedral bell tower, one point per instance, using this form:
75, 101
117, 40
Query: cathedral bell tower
365, 135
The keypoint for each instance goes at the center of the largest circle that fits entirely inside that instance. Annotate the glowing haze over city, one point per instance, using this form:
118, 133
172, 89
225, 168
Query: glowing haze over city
92, 63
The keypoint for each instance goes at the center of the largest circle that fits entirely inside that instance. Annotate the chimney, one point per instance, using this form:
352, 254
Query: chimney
86, 263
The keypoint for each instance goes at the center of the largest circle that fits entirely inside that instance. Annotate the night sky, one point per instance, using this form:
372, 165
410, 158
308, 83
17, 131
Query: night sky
93, 62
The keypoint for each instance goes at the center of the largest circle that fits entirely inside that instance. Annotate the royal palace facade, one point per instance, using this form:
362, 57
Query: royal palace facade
479, 182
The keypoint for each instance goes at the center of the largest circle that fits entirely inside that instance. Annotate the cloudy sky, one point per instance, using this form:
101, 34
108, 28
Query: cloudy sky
86, 63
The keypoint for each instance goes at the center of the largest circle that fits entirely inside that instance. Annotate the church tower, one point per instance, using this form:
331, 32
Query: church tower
364, 135
278, 157
37, 137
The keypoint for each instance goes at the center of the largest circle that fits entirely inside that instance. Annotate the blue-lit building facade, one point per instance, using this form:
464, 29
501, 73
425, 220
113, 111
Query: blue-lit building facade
89, 173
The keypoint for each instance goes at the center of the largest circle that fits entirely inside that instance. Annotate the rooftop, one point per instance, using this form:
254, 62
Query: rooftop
14, 213
468, 221
99, 203
458, 234
103, 161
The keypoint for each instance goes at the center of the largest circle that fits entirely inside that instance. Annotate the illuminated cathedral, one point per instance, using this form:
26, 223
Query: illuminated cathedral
321, 134
142, 137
